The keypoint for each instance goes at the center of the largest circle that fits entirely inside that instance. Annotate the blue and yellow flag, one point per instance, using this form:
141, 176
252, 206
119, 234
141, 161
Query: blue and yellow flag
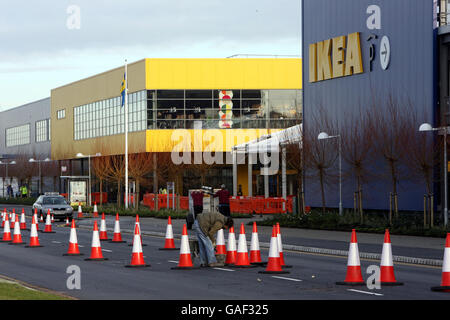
123, 89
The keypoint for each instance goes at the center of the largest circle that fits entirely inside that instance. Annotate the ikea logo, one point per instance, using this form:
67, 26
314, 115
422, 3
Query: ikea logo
335, 58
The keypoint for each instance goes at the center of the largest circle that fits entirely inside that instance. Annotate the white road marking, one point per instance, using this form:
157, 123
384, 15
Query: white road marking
173, 261
224, 269
284, 278
106, 250
373, 293
56, 242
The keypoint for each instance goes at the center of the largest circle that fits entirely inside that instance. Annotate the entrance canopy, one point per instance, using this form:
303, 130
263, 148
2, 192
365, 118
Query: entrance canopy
272, 142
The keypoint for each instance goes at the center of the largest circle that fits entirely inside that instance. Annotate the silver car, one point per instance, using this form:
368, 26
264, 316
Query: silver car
57, 205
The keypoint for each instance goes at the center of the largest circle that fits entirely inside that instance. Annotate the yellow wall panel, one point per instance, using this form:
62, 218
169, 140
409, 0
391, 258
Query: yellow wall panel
224, 73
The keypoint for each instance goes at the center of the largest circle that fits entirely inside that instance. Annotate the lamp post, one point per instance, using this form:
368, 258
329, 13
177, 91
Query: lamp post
39, 162
6, 173
80, 155
323, 136
427, 127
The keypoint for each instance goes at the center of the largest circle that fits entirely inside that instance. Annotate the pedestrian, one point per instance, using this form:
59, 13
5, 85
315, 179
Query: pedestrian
9, 191
206, 226
224, 200
24, 191
197, 200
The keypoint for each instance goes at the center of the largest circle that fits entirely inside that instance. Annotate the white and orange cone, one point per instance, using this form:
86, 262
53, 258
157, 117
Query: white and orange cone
17, 237
36, 221
169, 243
23, 222
53, 218
139, 225
80, 211
3, 218
354, 274
445, 282
255, 252
280, 247
96, 248
387, 276
34, 239
103, 232
242, 260
137, 257
273, 262
231, 257
48, 224
67, 222
117, 237
13, 219
185, 261
95, 215
221, 249
42, 218
73, 249
6, 230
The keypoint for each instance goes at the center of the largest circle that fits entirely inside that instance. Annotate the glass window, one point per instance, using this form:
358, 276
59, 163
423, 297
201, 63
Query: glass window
251, 94
198, 94
170, 94
236, 93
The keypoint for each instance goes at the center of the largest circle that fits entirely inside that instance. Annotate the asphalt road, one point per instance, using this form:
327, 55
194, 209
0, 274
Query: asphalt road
311, 276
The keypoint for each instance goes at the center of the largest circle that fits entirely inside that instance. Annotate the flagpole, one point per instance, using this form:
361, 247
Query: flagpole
126, 136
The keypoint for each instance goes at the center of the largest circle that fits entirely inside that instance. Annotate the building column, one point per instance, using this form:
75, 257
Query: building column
249, 175
233, 153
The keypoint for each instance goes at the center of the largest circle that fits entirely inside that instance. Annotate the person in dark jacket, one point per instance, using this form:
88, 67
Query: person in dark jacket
224, 200
206, 226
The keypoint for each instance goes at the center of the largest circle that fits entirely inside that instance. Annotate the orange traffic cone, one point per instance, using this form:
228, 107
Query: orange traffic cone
6, 230
13, 219
185, 261
230, 259
169, 244
53, 218
445, 282
220, 243
354, 274
73, 242
80, 211
255, 252
96, 249
139, 225
117, 237
95, 215
67, 222
242, 260
137, 257
3, 218
273, 262
36, 220
42, 218
387, 277
17, 237
280, 247
23, 223
34, 239
103, 233
48, 224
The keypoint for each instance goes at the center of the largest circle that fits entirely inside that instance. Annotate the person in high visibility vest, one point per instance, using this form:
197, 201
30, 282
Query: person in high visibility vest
24, 191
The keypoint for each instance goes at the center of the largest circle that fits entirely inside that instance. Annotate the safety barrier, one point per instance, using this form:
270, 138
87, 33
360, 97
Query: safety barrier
96, 197
261, 205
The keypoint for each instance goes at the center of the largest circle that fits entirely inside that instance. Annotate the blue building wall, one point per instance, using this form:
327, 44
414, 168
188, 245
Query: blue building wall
411, 76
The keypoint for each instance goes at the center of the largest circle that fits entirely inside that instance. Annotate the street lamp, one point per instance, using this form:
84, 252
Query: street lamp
323, 136
80, 155
427, 127
39, 162
6, 173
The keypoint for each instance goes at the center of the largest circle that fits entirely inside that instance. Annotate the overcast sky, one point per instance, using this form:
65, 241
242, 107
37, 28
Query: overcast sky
41, 47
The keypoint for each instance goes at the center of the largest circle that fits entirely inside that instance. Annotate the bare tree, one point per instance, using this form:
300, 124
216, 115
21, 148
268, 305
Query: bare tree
139, 165
116, 172
100, 168
389, 129
357, 150
320, 156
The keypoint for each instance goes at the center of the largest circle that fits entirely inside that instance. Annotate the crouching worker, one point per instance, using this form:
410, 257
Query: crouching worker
206, 226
